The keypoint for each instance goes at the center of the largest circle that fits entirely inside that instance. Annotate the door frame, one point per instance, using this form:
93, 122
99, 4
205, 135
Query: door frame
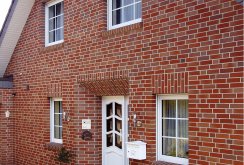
125, 99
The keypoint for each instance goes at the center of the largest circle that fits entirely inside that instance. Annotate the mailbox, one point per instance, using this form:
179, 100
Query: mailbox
136, 150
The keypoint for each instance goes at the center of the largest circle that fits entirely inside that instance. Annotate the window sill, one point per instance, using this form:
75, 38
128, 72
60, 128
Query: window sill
124, 29
52, 48
162, 163
53, 146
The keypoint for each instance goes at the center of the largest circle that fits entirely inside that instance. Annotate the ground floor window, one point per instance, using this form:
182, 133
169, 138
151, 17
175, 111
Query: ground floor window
173, 128
56, 113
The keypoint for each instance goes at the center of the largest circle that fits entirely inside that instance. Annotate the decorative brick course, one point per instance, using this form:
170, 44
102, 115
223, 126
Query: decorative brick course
170, 83
54, 90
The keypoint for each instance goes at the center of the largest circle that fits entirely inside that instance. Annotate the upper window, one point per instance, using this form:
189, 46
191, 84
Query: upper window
123, 13
56, 120
54, 18
173, 128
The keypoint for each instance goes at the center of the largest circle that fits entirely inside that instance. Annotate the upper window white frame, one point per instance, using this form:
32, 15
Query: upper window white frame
129, 5
58, 23
160, 156
52, 120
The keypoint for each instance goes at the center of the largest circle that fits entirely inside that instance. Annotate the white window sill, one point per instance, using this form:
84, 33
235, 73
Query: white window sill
125, 24
54, 43
172, 159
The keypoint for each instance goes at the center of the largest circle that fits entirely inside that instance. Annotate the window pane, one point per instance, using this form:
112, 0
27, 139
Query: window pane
169, 127
109, 124
51, 24
169, 108
118, 141
128, 13
183, 128
138, 11
116, 4
117, 17
59, 8
57, 132
59, 35
182, 148
60, 21
57, 119
109, 140
127, 2
169, 147
51, 11
182, 108
57, 107
51, 36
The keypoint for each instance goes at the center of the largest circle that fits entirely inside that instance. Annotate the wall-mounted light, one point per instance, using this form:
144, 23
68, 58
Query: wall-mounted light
7, 114
66, 116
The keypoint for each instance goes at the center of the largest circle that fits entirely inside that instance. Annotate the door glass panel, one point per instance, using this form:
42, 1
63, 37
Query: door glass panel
118, 141
109, 124
118, 125
110, 109
118, 110
109, 140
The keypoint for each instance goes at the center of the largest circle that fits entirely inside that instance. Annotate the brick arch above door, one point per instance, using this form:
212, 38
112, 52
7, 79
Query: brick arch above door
111, 83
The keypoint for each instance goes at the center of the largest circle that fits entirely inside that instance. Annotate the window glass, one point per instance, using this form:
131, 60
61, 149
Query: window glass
123, 11
173, 128
55, 23
56, 121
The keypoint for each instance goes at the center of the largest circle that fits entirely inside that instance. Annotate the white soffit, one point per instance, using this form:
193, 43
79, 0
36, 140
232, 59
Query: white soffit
12, 30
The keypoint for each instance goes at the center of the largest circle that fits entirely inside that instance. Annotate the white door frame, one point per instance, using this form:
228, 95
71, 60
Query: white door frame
125, 103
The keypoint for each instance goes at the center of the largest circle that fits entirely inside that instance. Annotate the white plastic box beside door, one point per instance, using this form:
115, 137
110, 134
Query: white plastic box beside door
114, 130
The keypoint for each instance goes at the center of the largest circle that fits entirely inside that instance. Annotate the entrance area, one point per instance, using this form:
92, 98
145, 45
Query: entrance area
115, 129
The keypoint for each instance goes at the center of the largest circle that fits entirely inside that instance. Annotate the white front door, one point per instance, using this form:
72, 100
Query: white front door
114, 134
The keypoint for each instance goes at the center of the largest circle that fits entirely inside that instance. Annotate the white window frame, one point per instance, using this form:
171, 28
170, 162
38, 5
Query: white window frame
52, 139
49, 4
159, 155
110, 16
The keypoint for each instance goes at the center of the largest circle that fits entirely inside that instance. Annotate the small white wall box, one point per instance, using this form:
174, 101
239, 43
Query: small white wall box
136, 150
86, 124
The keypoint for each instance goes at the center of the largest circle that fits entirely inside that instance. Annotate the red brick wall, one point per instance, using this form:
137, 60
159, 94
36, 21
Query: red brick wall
201, 38
6, 127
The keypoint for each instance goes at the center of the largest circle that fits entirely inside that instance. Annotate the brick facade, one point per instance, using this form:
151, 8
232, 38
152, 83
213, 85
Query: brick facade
186, 46
6, 127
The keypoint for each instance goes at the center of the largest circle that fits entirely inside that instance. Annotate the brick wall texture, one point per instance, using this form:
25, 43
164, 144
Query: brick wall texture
183, 46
